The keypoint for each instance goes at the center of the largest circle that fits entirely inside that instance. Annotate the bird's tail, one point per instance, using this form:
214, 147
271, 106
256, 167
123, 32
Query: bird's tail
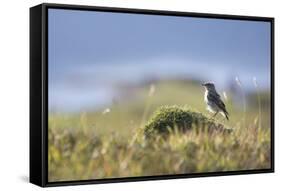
225, 114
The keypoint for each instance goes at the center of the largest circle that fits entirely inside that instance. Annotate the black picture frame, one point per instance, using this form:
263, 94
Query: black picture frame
39, 93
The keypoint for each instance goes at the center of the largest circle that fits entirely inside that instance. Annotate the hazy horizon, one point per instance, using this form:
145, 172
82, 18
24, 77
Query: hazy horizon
92, 53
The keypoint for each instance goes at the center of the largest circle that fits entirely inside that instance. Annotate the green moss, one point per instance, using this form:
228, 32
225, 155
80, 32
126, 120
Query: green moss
168, 118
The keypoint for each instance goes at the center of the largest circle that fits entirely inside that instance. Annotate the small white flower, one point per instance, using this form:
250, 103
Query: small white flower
107, 110
238, 81
151, 90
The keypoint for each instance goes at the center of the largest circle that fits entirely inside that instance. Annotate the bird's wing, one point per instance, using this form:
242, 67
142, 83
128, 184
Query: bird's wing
216, 94
215, 98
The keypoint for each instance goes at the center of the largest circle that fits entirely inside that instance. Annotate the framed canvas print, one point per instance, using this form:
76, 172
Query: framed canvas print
127, 95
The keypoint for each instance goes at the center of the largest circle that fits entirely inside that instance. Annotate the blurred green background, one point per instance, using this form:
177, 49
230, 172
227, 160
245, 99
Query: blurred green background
94, 145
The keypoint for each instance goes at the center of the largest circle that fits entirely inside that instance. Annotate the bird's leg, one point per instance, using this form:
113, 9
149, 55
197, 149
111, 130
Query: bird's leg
215, 114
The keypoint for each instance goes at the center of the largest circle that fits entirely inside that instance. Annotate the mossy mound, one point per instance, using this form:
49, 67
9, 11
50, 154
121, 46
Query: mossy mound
168, 118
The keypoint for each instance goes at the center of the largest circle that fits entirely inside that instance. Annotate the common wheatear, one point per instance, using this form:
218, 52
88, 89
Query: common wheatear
213, 100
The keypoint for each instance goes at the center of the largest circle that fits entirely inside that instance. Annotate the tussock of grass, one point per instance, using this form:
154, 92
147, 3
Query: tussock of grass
168, 118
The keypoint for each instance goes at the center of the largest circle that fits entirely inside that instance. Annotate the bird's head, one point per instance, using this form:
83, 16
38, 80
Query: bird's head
209, 85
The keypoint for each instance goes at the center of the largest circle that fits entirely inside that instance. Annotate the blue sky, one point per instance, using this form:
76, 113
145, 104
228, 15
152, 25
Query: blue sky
90, 52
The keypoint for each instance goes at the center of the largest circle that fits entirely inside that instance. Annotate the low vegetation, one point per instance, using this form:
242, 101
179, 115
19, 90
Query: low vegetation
96, 145
169, 119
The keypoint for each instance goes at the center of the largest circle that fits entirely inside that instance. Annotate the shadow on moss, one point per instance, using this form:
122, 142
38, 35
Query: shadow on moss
170, 118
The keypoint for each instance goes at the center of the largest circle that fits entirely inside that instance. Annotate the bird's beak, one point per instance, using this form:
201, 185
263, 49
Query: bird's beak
203, 84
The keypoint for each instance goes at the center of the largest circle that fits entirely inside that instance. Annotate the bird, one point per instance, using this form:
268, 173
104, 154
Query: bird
213, 100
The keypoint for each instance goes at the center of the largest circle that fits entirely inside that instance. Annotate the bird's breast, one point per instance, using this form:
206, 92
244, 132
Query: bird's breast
206, 96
